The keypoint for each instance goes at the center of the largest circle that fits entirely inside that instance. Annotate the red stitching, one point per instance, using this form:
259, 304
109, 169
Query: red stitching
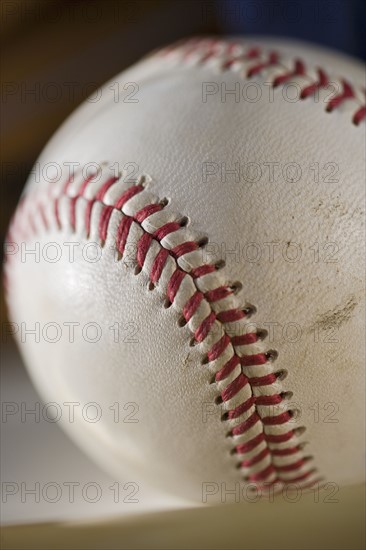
104, 221
205, 327
272, 60
257, 458
241, 409
312, 88
192, 305
122, 233
184, 248
165, 230
127, 195
142, 248
158, 265
347, 93
299, 70
102, 191
250, 445
245, 339
263, 475
174, 284
285, 452
227, 368
249, 360
230, 315
222, 51
233, 388
249, 404
218, 348
88, 211
202, 270
279, 438
359, 116
276, 420
218, 294
246, 425
263, 380
269, 399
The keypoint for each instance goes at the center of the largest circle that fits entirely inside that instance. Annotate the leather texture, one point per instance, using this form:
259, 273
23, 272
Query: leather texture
295, 242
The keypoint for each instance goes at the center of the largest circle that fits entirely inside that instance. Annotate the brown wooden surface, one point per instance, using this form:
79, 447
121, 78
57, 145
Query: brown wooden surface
330, 522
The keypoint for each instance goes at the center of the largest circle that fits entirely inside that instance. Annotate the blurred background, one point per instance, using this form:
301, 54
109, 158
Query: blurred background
54, 53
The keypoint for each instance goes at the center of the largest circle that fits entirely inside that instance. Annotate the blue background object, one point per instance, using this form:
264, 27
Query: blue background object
338, 24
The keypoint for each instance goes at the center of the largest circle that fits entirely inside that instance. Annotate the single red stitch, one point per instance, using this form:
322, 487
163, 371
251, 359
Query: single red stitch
211, 51
250, 445
191, 306
122, 233
272, 60
88, 211
202, 270
218, 348
147, 211
257, 458
299, 478
227, 64
246, 425
127, 195
84, 185
143, 246
158, 265
227, 368
347, 93
174, 284
291, 467
102, 191
218, 293
242, 408
299, 70
245, 339
275, 420
231, 315
312, 88
205, 327
104, 221
268, 399
207, 56
255, 359
166, 230
234, 387
184, 248
251, 54
72, 212
359, 116
263, 380
56, 212
261, 476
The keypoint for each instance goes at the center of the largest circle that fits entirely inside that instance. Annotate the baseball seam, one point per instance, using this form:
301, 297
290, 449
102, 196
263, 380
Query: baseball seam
257, 411
250, 61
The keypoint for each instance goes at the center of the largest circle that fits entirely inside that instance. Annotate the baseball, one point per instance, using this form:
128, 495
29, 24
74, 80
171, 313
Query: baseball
185, 270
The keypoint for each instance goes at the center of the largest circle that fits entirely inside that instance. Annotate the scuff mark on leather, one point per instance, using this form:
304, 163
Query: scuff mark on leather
338, 315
